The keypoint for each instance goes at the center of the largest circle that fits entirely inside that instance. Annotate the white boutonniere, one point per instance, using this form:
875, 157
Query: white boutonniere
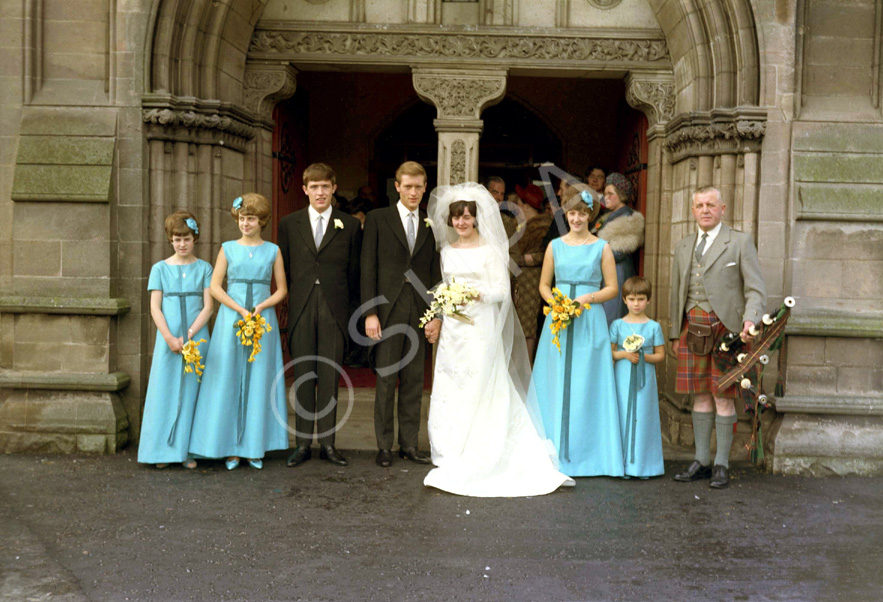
338, 225
428, 222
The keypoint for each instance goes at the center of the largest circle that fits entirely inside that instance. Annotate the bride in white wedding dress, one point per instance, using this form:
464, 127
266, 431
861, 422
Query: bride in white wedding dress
486, 440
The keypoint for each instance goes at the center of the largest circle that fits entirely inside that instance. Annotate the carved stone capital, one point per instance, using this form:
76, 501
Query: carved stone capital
266, 85
459, 95
717, 132
195, 120
655, 97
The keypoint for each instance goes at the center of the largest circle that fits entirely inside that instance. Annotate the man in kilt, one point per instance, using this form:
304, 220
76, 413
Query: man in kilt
716, 285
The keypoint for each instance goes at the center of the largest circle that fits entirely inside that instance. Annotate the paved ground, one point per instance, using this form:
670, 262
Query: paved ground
106, 528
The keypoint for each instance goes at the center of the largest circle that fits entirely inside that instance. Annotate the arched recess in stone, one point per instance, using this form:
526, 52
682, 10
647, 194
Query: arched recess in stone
713, 46
199, 46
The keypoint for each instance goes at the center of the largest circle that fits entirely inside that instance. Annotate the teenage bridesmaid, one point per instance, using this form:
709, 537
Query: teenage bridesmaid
241, 411
180, 305
574, 386
635, 373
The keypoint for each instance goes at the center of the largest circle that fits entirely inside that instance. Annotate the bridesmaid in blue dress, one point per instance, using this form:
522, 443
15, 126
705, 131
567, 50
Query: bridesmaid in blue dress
180, 305
241, 411
636, 382
575, 387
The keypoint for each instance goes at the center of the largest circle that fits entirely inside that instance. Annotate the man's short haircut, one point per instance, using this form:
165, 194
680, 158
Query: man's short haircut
319, 172
410, 168
490, 179
637, 286
704, 190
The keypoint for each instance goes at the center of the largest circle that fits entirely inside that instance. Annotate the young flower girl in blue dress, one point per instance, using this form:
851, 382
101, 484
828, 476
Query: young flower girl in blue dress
638, 345
241, 411
180, 305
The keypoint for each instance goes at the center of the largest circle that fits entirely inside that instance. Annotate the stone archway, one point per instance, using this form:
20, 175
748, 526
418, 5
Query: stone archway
214, 73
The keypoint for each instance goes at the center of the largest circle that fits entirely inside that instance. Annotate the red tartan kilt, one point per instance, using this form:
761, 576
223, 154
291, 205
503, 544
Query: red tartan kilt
700, 373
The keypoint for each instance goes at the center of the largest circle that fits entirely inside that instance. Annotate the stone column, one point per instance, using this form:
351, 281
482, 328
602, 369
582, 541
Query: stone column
654, 95
265, 85
459, 96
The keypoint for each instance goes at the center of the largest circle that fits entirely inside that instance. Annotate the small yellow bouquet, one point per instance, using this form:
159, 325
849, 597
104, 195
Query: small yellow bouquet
249, 332
563, 309
449, 300
633, 343
193, 358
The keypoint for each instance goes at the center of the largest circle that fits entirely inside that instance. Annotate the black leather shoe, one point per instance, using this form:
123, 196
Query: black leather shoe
329, 453
720, 477
694, 472
301, 454
411, 453
383, 458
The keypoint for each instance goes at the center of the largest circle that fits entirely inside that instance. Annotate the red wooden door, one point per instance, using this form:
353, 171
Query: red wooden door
632, 158
289, 150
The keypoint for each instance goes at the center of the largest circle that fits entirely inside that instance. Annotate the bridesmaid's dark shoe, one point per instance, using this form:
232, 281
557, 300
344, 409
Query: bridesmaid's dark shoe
412, 454
329, 453
694, 472
383, 458
301, 454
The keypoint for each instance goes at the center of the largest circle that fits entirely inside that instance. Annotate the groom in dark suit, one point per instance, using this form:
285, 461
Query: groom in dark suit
320, 247
399, 263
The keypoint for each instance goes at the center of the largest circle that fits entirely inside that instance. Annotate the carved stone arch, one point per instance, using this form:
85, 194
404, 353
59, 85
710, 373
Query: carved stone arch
197, 45
713, 46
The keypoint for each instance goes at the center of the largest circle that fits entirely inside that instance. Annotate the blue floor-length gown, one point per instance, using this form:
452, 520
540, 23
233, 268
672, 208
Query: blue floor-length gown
639, 401
171, 393
575, 388
242, 410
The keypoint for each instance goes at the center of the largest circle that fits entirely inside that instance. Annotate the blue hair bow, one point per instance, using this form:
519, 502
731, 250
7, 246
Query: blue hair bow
191, 223
587, 199
237, 203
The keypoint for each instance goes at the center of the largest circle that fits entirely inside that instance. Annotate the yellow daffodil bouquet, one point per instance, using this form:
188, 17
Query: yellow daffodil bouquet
633, 343
563, 309
450, 300
193, 358
249, 332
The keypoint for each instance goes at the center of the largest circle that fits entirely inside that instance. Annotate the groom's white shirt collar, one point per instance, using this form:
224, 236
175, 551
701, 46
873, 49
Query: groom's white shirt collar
403, 214
314, 215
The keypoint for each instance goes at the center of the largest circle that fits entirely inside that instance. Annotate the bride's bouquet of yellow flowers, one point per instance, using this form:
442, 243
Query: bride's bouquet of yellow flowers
193, 358
449, 300
563, 309
249, 332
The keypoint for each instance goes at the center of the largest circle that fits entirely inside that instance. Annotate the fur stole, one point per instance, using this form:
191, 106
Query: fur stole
625, 234
535, 229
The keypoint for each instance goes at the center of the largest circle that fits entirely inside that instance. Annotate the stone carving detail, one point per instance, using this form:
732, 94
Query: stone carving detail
458, 162
736, 131
265, 87
464, 46
191, 119
604, 4
458, 97
654, 99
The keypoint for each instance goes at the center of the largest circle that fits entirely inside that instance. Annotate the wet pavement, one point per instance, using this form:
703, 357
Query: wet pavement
78, 528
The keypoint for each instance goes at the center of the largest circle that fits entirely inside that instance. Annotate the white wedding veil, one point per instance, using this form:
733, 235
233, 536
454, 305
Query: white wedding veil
509, 338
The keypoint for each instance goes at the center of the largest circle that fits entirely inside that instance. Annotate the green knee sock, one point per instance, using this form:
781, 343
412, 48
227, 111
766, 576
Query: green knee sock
702, 423
724, 428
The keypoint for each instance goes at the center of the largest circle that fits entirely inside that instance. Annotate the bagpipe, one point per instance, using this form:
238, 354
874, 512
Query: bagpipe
745, 364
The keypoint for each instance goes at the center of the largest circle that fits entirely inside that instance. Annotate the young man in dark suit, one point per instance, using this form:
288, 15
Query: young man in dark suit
399, 263
321, 247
